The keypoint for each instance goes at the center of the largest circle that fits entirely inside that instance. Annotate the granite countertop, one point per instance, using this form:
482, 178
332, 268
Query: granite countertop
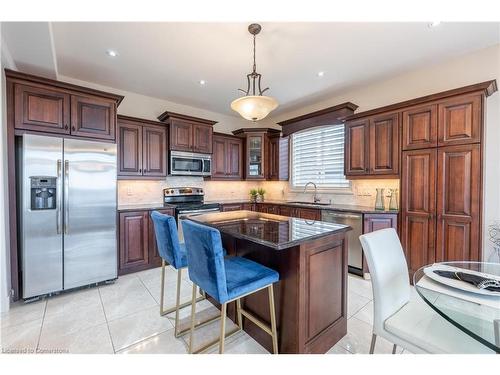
274, 231
143, 206
332, 207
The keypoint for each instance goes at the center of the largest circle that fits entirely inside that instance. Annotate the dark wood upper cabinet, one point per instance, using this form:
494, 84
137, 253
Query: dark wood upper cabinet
460, 120
202, 138
41, 109
418, 207
384, 144
371, 146
256, 156
257, 153
142, 148
188, 133
219, 157
93, 117
235, 158
356, 147
181, 136
458, 203
420, 127
278, 158
49, 106
129, 139
154, 145
227, 158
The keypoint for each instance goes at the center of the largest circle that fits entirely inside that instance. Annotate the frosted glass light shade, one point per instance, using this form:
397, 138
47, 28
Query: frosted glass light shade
254, 108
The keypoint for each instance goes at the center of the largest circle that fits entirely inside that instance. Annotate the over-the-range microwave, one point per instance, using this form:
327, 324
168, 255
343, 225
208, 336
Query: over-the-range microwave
190, 164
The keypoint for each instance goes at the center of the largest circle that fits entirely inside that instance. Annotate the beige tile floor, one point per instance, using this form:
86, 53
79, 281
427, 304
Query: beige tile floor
124, 318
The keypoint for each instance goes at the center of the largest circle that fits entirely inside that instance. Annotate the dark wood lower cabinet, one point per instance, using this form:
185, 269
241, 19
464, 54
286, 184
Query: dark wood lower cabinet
441, 213
373, 222
418, 208
231, 207
134, 247
137, 241
310, 297
458, 203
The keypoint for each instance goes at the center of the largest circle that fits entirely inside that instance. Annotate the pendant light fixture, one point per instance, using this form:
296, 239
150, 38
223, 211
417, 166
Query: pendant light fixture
254, 106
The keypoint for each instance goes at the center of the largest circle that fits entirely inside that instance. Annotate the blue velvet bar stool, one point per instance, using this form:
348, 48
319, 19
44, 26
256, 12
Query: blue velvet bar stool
172, 252
226, 280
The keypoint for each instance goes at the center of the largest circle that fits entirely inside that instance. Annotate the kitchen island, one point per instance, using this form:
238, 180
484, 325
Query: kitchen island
311, 258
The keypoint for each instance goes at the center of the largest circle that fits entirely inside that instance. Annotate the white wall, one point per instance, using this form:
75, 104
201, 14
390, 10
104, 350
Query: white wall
473, 68
6, 62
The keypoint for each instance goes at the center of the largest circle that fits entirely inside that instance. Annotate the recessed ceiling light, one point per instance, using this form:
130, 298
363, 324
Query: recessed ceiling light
321, 74
434, 23
202, 82
111, 53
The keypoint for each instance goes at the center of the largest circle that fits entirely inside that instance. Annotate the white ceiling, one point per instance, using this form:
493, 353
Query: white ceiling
167, 60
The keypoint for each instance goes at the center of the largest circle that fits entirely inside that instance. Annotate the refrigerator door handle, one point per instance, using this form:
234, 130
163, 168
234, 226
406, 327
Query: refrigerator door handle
66, 197
58, 196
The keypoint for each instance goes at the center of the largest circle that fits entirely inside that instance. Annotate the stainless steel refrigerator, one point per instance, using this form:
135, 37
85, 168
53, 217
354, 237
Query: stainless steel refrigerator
68, 219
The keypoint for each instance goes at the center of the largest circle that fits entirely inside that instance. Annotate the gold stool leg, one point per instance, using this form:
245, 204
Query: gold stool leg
273, 320
162, 287
178, 300
222, 327
193, 312
238, 313
164, 311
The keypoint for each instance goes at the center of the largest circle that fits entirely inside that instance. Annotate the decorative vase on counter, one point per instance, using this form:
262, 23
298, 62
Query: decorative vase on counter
393, 203
253, 198
260, 198
379, 200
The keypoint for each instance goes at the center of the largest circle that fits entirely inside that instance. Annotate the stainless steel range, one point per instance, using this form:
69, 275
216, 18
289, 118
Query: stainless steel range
188, 201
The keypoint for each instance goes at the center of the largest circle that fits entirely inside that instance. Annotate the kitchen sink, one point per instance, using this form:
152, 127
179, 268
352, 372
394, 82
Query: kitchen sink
310, 203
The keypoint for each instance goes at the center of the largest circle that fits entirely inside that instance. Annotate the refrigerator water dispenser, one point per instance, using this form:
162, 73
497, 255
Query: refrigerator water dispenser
43, 193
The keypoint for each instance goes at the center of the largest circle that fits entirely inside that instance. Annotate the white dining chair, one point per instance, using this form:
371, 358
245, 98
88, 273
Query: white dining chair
409, 323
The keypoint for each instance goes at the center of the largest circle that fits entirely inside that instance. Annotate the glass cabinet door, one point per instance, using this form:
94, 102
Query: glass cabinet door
255, 156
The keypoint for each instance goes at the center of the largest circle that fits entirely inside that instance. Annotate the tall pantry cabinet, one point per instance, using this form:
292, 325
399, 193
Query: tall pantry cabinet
434, 145
441, 180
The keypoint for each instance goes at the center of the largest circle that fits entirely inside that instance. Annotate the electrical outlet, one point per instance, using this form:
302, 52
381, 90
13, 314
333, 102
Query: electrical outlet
129, 191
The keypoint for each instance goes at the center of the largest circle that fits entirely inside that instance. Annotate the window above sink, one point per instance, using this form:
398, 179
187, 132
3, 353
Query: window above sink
317, 155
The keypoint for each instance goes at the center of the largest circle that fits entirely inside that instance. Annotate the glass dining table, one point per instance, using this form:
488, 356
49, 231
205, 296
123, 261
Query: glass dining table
476, 315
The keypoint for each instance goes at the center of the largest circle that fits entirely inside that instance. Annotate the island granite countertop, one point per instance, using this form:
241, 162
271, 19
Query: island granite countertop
274, 231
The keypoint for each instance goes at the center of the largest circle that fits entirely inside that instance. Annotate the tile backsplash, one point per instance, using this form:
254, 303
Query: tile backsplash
362, 192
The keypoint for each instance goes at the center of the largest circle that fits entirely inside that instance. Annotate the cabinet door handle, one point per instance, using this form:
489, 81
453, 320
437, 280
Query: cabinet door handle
66, 126
140, 170
73, 128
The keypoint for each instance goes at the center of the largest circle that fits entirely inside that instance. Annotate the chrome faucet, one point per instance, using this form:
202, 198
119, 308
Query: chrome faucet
315, 198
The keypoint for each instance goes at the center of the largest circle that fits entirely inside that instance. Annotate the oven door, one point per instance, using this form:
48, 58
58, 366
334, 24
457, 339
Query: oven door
189, 164
183, 214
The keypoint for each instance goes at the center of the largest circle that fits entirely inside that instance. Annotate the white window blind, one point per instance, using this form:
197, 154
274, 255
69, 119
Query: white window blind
318, 156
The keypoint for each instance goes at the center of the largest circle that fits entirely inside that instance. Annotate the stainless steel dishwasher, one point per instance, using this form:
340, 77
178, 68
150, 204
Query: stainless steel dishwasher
355, 221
